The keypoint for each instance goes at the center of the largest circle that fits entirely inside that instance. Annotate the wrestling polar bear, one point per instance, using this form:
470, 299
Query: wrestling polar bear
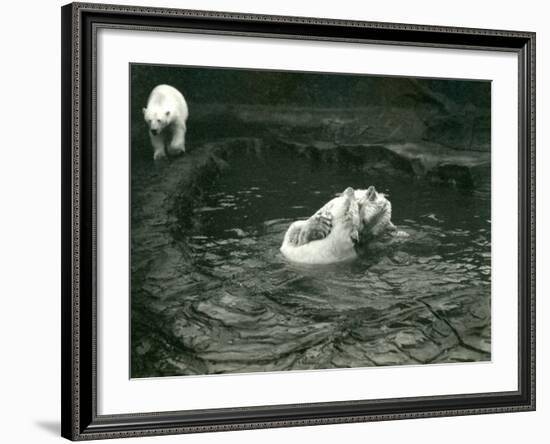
332, 233
166, 115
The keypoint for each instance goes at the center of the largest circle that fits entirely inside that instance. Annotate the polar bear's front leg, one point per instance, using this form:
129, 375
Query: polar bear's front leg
177, 145
158, 146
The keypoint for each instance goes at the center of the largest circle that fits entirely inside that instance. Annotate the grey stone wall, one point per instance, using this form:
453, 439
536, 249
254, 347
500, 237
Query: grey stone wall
319, 107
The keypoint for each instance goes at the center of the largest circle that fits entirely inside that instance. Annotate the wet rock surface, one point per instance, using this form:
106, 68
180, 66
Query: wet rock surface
212, 294
436, 163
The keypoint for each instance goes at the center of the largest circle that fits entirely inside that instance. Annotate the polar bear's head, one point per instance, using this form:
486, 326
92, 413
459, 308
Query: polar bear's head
375, 211
157, 119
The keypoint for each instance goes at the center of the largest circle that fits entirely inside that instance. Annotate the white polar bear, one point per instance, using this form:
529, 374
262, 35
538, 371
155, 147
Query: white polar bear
328, 236
333, 232
166, 115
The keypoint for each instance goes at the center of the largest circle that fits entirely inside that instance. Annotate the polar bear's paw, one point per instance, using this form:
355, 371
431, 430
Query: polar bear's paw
176, 150
315, 228
161, 154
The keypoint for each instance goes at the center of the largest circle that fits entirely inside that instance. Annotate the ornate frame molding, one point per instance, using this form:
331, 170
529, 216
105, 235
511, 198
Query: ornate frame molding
79, 396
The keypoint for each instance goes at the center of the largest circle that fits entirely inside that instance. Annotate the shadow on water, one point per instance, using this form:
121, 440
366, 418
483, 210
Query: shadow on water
218, 297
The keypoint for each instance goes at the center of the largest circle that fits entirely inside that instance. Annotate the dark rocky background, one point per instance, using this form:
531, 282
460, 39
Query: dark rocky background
329, 108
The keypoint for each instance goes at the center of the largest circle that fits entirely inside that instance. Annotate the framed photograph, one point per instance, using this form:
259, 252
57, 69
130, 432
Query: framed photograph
280, 221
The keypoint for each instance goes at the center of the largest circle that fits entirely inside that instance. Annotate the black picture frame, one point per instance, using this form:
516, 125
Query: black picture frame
78, 334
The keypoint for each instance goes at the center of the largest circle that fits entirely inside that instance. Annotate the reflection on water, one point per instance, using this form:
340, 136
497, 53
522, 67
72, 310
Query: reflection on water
235, 305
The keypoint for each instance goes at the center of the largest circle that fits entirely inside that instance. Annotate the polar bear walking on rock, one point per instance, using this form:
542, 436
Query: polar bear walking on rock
166, 115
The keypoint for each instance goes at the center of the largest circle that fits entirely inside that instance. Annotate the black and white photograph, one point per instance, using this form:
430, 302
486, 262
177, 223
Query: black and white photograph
286, 220
274, 222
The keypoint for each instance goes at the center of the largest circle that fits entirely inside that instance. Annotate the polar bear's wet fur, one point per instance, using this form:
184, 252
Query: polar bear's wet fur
166, 116
338, 246
358, 216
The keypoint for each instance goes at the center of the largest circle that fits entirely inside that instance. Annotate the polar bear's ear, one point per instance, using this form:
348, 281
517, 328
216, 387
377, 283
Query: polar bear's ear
371, 193
144, 111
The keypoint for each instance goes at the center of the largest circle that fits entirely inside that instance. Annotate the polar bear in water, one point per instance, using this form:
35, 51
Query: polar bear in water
332, 233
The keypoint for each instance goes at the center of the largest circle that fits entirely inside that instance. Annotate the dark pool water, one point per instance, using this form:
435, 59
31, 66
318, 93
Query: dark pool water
221, 298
